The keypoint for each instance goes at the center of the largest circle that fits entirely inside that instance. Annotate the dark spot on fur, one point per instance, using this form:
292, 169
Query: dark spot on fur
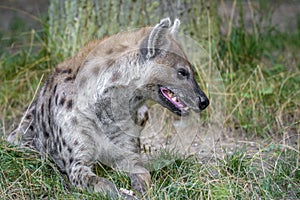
60, 132
116, 76
110, 62
95, 70
64, 162
74, 121
143, 122
138, 98
71, 160
69, 150
38, 118
78, 68
28, 116
75, 142
77, 163
49, 122
81, 149
82, 81
88, 184
46, 134
109, 51
54, 90
42, 110
62, 101
105, 91
84, 132
133, 140
71, 177
69, 104
63, 142
66, 71
114, 135
49, 105
70, 78
56, 99
31, 128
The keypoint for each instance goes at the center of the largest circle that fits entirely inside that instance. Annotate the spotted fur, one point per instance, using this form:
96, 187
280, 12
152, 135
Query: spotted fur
92, 108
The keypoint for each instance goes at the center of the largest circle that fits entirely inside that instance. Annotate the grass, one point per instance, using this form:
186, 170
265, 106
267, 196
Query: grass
239, 175
261, 75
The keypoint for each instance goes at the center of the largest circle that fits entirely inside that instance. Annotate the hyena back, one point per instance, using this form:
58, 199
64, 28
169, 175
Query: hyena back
93, 106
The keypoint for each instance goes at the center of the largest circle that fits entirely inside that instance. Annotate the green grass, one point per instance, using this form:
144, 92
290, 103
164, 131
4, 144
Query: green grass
261, 74
269, 174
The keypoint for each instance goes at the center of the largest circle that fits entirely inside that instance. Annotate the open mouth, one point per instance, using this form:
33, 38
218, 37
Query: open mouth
173, 101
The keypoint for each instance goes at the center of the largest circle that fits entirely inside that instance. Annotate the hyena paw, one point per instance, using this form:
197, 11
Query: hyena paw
105, 187
128, 194
140, 182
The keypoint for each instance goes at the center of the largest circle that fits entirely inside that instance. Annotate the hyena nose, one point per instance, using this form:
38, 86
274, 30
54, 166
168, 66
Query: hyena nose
203, 103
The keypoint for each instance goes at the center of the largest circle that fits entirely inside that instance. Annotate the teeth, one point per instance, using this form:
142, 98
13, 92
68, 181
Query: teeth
186, 108
170, 94
174, 99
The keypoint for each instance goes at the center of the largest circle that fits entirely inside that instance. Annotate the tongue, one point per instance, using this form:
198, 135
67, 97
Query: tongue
166, 92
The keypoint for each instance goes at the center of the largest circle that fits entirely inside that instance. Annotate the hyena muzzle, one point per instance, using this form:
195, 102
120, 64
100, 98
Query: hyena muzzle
92, 108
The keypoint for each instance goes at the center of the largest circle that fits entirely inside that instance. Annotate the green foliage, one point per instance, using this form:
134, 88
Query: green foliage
236, 164
263, 83
242, 49
22, 173
240, 175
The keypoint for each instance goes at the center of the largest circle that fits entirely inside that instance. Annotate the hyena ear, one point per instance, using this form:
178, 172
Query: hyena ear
175, 27
157, 39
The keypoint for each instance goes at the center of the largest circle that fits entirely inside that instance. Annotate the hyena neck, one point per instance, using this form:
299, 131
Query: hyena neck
136, 102
119, 105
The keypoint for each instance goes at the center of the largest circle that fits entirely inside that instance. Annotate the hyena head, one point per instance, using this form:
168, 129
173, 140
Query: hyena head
171, 81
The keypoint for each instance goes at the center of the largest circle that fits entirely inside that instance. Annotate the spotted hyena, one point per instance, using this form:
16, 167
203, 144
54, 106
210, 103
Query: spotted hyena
93, 106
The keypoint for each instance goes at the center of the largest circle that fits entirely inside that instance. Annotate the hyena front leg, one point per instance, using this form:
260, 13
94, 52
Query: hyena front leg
81, 175
141, 181
139, 176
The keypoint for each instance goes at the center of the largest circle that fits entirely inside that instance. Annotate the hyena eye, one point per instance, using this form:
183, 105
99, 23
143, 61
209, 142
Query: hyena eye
182, 73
